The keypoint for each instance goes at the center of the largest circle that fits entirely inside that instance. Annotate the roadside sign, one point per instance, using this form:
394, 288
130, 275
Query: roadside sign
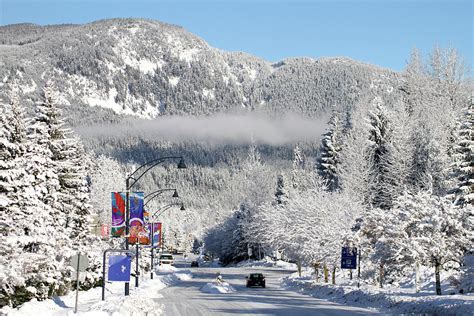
80, 262
119, 268
349, 258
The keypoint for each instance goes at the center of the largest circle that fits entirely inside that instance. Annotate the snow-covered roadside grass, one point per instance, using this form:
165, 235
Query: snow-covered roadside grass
142, 300
394, 300
267, 263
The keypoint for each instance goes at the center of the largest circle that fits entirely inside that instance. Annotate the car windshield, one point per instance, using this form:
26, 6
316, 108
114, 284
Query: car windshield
256, 276
166, 257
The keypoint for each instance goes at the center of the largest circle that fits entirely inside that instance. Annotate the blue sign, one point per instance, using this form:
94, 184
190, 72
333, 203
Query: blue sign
349, 258
119, 268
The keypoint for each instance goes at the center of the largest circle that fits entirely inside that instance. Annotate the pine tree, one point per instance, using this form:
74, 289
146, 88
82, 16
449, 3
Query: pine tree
280, 193
328, 164
67, 156
32, 250
463, 164
384, 187
299, 174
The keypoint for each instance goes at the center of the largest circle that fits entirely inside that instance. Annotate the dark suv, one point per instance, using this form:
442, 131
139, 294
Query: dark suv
255, 279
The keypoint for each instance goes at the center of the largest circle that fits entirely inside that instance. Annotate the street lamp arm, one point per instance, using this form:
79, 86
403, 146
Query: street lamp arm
154, 196
163, 209
153, 163
157, 191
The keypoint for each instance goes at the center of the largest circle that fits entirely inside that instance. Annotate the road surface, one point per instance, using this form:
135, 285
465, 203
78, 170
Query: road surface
186, 298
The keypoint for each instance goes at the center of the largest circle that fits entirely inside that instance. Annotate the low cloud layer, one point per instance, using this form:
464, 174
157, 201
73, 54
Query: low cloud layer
232, 129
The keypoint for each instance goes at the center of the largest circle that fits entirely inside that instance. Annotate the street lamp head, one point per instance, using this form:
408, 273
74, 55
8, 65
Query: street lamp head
181, 164
175, 194
182, 208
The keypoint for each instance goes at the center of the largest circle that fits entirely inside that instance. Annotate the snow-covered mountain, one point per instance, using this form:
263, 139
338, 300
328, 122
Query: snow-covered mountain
148, 68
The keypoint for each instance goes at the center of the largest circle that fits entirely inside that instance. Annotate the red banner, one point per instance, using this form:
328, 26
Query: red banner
104, 231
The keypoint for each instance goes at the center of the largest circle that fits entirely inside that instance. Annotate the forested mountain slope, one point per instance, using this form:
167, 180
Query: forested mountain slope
148, 68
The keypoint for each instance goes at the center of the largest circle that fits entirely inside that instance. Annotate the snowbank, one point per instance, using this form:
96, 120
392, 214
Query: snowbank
255, 263
218, 288
285, 265
140, 302
166, 268
184, 276
267, 263
173, 278
397, 300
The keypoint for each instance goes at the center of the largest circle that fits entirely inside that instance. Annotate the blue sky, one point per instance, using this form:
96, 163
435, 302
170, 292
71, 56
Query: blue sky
378, 32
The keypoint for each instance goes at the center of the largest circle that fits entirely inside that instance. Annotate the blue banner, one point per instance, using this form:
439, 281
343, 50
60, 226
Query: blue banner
119, 268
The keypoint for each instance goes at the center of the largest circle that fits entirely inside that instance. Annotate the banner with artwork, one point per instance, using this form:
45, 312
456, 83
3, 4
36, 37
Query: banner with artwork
137, 224
118, 214
155, 228
146, 216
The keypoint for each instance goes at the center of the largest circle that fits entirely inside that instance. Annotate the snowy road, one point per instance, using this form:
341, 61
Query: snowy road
186, 298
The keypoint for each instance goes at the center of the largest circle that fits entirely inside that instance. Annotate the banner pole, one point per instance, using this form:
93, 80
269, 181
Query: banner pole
152, 252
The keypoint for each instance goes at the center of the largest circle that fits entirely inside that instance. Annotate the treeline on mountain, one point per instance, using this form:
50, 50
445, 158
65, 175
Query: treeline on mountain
151, 68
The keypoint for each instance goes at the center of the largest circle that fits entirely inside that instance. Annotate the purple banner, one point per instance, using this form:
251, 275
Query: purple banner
118, 214
137, 224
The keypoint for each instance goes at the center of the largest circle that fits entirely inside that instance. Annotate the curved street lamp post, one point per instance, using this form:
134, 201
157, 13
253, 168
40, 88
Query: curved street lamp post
142, 169
152, 223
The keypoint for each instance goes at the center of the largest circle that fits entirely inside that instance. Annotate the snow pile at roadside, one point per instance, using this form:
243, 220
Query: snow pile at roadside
140, 302
173, 278
170, 275
267, 263
285, 265
255, 263
184, 276
166, 268
218, 288
397, 300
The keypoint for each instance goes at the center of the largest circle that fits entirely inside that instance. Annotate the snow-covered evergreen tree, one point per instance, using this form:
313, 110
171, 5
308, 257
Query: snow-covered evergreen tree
33, 249
302, 176
331, 142
69, 162
384, 184
281, 193
45, 211
463, 159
